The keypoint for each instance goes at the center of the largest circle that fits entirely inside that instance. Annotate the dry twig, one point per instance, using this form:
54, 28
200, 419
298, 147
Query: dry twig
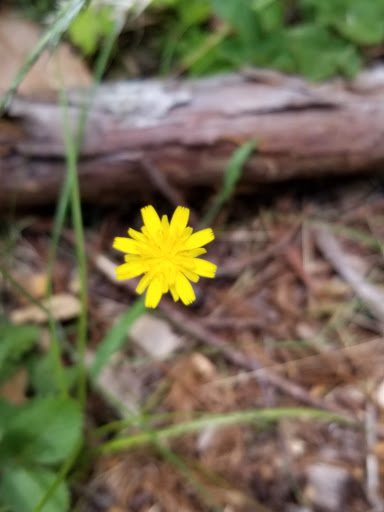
368, 293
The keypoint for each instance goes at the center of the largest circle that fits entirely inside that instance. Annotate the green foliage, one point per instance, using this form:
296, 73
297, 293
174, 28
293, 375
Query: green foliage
90, 26
311, 50
357, 20
314, 38
43, 431
15, 341
23, 489
42, 374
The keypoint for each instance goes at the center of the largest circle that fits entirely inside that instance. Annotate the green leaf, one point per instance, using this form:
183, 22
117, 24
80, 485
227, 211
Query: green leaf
7, 410
319, 54
22, 490
116, 336
311, 50
360, 21
89, 26
270, 14
42, 374
15, 341
240, 15
41, 431
363, 22
192, 13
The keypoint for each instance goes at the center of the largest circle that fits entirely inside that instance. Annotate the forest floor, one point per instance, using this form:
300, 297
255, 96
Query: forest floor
294, 318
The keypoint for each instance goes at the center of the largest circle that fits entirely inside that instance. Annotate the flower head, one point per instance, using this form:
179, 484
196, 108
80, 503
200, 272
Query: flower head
167, 254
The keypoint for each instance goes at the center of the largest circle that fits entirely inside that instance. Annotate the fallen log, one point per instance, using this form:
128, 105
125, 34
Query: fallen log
187, 130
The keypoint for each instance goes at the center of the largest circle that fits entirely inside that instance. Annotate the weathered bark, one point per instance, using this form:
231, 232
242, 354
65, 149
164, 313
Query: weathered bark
188, 130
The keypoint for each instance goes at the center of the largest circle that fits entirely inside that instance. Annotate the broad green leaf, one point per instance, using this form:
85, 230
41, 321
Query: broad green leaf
240, 15
42, 374
270, 14
360, 21
23, 489
319, 54
310, 50
116, 336
42, 431
363, 23
89, 26
15, 341
7, 411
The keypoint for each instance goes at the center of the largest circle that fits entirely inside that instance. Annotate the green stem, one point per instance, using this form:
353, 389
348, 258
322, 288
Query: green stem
219, 420
77, 221
71, 192
63, 19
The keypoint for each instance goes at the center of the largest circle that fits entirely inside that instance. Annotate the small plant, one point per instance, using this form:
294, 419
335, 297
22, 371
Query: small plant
314, 38
38, 435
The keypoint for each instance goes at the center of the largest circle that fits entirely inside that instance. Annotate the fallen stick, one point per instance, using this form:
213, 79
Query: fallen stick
186, 131
367, 292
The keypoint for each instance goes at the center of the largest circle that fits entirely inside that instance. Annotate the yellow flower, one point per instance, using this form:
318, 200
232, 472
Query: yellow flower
166, 253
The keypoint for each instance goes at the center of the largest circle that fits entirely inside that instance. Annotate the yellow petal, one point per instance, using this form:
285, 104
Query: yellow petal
193, 253
171, 275
200, 238
144, 282
154, 293
164, 223
184, 262
129, 270
192, 276
165, 284
175, 295
126, 245
179, 220
129, 258
185, 235
151, 220
204, 268
184, 289
137, 235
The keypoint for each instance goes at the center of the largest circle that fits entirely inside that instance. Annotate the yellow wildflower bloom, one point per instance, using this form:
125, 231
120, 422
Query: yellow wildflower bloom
167, 254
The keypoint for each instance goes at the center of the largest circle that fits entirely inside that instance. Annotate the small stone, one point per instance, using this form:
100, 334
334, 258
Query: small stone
154, 336
62, 307
327, 486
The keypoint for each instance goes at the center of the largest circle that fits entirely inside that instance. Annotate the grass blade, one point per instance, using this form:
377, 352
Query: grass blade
218, 420
231, 177
116, 336
64, 17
